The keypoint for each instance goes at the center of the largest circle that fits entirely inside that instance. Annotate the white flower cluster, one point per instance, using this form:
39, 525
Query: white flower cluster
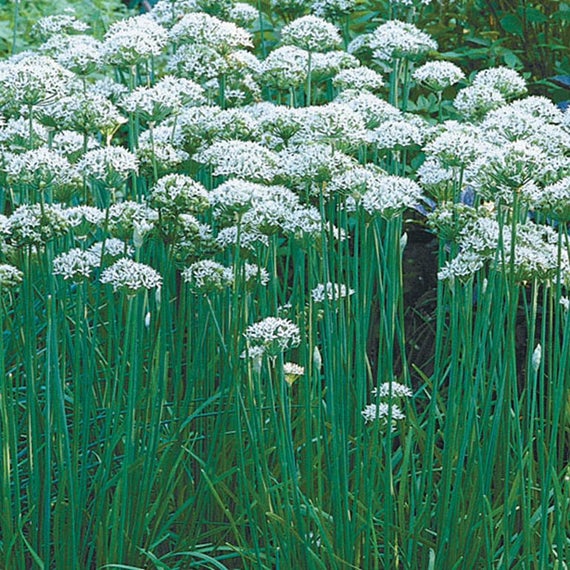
129, 276
332, 9
10, 276
386, 409
397, 39
438, 75
330, 291
75, 264
272, 336
134, 40
242, 159
359, 78
389, 195
311, 33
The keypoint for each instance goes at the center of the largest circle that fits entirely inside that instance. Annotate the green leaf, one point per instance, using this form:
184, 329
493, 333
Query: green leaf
512, 24
535, 16
512, 60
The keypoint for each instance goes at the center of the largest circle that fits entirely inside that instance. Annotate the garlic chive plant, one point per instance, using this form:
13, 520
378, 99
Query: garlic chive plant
209, 344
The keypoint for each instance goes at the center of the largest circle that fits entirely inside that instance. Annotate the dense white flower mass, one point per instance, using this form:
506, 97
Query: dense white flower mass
438, 75
33, 80
390, 195
397, 39
58, 24
78, 53
507, 81
133, 40
129, 276
40, 167
311, 33
334, 123
176, 193
88, 112
203, 29
396, 135
169, 95
371, 108
108, 163
36, 224
242, 159
284, 67
359, 78
312, 164
477, 100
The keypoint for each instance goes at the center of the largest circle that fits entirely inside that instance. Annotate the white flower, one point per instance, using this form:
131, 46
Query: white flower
177, 193
198, 62
130, 276
111, 247
108, 164
438, 75
396, 135
203, 29
208, 275
126, 218
273, 335
373, 109
18, 135
75, 264
292, 372
396, 39
330, 291
332, 8
78, 215
57, 24
313, 164
40, 167
477, 100
508, 169
554, 200
390, 195
354, 181
311, 33
33, 80
284, 67
249, 239
457, 144
85, 113
34, 225
168, 12
359, 78
392, 389
133, 40
507, 81
10, 276
242, 159
167, 96
71, 144
382, 412
324, 65
80, 54
199, 126
243, 14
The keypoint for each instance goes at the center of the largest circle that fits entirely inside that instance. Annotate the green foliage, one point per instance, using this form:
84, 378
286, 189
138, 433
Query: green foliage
17, 18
